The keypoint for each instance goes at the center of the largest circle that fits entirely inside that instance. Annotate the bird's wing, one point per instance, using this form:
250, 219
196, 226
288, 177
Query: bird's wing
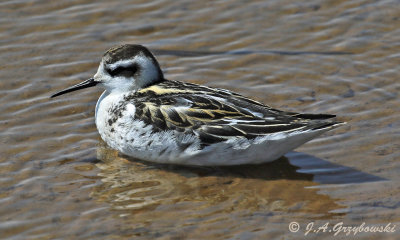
214, 115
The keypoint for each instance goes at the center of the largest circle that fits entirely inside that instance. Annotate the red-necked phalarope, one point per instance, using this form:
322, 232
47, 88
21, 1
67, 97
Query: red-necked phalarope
148, 117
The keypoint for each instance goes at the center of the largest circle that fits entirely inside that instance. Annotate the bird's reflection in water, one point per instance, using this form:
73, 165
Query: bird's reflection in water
134, 187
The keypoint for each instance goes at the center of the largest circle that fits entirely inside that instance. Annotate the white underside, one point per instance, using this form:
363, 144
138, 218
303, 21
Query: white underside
134, 138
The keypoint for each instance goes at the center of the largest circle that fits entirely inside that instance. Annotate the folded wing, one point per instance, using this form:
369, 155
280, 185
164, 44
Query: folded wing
218, 115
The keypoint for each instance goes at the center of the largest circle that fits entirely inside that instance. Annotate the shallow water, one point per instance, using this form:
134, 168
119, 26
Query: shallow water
59, 180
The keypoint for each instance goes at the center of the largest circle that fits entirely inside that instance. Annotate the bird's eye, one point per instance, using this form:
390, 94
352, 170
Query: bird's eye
126, 71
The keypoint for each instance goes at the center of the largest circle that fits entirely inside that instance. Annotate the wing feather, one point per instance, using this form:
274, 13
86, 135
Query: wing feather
214, 115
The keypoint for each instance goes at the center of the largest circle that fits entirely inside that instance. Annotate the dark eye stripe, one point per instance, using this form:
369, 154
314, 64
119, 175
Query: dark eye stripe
123, 70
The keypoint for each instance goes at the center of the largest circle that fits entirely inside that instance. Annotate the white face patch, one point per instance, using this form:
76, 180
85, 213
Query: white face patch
113, 84
148, 70
101, 75
120, 63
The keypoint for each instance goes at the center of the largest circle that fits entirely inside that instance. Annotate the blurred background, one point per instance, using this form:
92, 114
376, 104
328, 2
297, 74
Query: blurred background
59, 180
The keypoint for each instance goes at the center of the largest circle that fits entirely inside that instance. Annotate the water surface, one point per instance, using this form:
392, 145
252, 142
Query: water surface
59, 180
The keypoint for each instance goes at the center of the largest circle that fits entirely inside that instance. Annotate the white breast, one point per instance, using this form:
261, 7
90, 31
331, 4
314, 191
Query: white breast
133, 137
102, 114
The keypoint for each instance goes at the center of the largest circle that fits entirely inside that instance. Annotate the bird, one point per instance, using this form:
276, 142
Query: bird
148, 117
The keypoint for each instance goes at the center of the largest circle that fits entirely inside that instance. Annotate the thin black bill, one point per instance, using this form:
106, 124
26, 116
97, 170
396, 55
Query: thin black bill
85, 84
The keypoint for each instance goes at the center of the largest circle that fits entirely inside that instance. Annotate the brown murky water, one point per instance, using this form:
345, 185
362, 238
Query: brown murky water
59, 180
